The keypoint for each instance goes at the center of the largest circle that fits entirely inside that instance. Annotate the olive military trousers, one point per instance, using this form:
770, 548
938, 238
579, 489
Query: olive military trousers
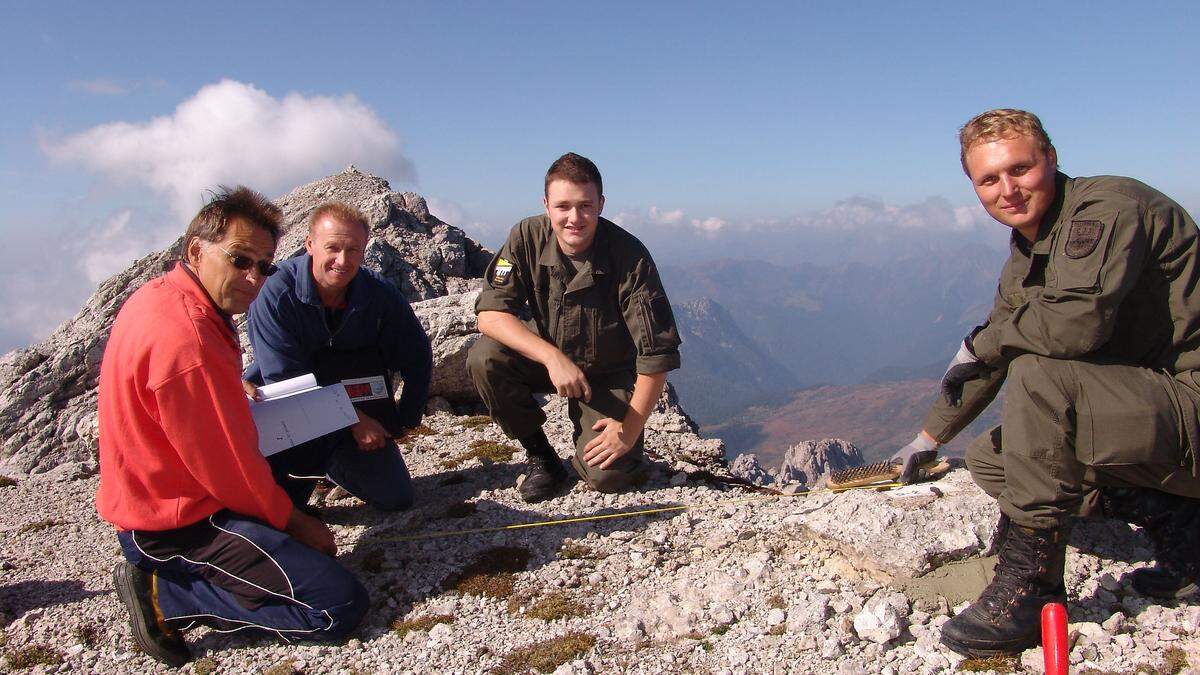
1069, 427
507, 382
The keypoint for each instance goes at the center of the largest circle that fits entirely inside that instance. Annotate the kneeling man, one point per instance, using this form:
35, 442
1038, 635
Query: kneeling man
324, 313
1096, 330
602, 335
210, 538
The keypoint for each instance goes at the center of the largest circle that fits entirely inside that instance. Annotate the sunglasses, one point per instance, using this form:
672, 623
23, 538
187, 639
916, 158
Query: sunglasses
244, 263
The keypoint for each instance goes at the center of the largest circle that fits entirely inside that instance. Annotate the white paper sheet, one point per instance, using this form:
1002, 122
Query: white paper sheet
297, 410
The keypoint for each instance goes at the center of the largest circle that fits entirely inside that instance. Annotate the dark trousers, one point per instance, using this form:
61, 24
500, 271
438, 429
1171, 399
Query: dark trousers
1069, 427
233, 573
507, 381
378, 477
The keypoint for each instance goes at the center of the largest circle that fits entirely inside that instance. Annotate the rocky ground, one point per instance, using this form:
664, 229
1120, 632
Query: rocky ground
742, 582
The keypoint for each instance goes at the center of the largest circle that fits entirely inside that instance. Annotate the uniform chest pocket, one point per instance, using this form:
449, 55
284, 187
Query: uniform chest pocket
1080, 251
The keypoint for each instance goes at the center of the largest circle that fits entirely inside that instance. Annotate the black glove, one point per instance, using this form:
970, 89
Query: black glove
921, 450
964, 367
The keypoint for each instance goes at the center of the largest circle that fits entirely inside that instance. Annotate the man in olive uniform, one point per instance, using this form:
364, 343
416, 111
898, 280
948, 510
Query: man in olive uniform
602, 335
1096, 330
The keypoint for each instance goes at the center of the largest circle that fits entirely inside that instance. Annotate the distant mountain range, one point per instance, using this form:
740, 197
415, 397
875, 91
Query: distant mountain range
774, 354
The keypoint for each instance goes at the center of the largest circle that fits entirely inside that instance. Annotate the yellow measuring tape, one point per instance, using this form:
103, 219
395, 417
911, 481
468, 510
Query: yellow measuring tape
622, 514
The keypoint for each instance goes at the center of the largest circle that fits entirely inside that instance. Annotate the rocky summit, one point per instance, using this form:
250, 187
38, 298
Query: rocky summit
700, 570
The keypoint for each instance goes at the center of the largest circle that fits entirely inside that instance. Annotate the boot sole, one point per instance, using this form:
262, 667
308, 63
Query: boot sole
123, 583
981, 653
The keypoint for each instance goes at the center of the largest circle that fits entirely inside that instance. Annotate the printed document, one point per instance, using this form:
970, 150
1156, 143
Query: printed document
298, 410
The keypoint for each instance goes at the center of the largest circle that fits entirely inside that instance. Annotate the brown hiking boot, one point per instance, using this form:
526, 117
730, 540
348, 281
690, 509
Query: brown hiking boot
1006, 619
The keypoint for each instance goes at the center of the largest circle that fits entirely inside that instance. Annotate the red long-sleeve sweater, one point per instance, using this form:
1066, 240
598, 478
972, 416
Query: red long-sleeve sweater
177, 442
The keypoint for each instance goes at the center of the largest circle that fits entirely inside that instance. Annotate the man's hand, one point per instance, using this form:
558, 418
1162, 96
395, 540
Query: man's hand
607, 447
251, 390
311, 532
368, 433
568, 380
965, 366
921, 450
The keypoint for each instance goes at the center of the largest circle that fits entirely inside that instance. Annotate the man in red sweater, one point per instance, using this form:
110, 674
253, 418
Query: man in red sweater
209, 537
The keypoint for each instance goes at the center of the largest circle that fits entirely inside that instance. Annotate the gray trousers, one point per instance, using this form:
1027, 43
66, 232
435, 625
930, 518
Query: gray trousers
1069, 427
507, 381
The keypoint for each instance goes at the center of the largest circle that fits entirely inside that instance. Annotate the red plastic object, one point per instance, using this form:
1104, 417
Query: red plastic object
1054, 638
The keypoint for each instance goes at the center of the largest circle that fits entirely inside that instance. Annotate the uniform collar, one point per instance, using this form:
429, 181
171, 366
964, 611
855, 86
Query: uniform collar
596, 259
183, 278
1043, 241
306, 286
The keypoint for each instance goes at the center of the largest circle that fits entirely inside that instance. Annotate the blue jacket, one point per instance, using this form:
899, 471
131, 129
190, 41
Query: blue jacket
287, 328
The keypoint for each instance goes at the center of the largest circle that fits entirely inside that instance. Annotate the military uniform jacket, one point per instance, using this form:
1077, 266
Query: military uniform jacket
611, 316
1112, 277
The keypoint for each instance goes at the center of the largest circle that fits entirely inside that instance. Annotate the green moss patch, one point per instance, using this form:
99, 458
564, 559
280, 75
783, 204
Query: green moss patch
403, 627
546, 655
40, 525
33, 655
999, 664
496, 452
550, 607
475, 422
492, 574
460, 510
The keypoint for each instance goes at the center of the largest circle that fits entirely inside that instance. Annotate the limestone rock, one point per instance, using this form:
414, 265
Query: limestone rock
747, 467
450, 323
882, 618
809, 461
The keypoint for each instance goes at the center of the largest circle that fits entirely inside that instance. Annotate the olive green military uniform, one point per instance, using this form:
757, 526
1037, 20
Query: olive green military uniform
1096, 329
606, 311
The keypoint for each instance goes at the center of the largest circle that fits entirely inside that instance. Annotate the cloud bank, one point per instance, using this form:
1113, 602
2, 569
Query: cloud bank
232, 132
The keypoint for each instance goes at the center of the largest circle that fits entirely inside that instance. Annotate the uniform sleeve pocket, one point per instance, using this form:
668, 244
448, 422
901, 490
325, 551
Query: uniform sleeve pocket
658, 324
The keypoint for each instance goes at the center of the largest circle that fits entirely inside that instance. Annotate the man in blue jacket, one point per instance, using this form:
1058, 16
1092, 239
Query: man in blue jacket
323, 313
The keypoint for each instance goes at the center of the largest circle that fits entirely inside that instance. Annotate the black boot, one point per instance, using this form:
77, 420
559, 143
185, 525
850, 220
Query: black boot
1172, 523
135, 589
1006, 619
546, 476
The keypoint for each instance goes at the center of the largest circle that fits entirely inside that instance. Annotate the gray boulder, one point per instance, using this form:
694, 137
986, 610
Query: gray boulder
808, 462
747, 467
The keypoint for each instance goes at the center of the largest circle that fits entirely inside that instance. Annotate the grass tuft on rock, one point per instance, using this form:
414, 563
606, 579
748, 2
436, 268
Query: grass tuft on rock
475, 422
546, 655
1175, 660
402, 627
33, 655
282, 668
40, 525
372, 561
550, 607
576, 551
492, 573
496, 452
776, 602
5, 481
997, 664
204, 666
88, 634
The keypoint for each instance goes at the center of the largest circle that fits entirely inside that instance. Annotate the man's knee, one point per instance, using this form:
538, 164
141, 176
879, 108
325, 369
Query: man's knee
1030, 372
619, 478
346, 603
393, 500
481, 356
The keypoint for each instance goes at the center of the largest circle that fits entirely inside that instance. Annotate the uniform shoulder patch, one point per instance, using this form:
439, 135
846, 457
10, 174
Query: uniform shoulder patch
502, 272
1082, 238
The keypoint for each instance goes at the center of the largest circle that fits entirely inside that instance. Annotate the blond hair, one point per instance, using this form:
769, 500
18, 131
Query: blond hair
340, 212
1001, 123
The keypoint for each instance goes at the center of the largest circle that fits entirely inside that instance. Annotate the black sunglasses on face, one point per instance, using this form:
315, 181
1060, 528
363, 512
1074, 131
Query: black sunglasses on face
243, 262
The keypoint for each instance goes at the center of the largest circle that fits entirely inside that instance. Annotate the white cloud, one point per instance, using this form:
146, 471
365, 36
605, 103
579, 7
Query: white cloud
100, 86
106, 86
666, 217
448, 211
231, 132
114, 245
708, 225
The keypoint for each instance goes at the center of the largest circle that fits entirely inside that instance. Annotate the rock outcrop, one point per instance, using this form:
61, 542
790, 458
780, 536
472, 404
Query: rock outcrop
808, 462
48, 390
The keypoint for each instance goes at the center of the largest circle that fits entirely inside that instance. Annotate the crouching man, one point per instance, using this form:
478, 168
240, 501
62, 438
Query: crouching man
602, 335
209, 537
1096, 330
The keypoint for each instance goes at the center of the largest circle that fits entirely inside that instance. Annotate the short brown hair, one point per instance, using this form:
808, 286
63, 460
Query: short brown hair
576, 169
228, 204
341, 212
1001, 123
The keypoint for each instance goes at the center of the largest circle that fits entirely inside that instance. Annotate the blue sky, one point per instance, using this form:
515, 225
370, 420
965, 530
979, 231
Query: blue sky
718, 113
